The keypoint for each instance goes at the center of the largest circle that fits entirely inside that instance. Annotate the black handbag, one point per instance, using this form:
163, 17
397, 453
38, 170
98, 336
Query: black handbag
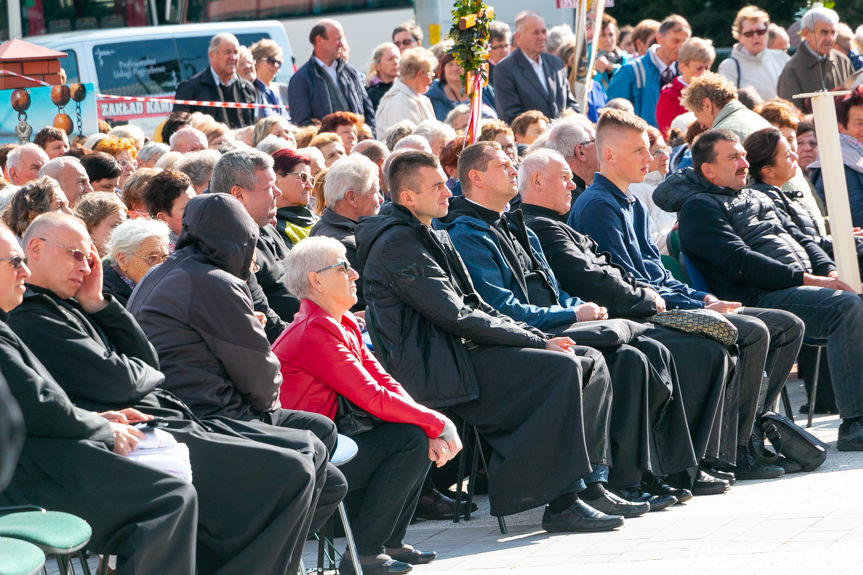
351, 420
792, 441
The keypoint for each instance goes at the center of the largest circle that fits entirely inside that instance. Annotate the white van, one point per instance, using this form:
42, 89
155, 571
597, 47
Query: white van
150, 61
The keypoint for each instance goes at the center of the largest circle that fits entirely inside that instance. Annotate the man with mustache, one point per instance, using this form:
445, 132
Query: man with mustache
746, 249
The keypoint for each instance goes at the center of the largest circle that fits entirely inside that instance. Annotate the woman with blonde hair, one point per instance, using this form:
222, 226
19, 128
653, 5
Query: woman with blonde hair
101, 212
383, 71
275, 126
406, 100
751, 62
269, 58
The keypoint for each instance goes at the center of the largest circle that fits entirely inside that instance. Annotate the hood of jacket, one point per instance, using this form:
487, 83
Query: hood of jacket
370, 228
672, 193
218, 226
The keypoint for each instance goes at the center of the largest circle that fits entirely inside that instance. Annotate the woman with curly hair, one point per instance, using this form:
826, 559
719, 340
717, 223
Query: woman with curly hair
124, 151
31, 200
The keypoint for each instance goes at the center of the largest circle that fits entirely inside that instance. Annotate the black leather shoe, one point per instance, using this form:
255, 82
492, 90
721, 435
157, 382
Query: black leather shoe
657, 502
725, 474
436, 505
748, 467
388, 567
579, 517
415, 556
611, 504
658, 486
850, 436
706, 484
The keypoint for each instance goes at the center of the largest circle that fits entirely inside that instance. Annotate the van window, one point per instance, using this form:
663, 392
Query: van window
138, 67
70, 65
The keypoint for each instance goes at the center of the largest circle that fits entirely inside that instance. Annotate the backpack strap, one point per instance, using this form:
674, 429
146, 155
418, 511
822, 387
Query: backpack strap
737, 65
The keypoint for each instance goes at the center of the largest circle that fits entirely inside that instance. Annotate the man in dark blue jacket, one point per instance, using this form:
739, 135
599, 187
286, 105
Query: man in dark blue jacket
619, 224
327, 83
746, 248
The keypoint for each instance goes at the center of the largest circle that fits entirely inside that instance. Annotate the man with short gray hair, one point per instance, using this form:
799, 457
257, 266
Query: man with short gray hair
248, 176
574, 138
188, 140
24, 162
71, 176
220, 83
816, 65
351, 191
199, 167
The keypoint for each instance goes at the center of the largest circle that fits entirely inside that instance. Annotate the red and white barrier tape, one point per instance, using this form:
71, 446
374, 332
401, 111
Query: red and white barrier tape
111, 97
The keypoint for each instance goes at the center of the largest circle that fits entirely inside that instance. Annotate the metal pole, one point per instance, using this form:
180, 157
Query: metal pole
835, 187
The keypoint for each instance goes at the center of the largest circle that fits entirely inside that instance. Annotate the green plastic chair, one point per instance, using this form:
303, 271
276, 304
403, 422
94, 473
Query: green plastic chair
62, 535
19, 557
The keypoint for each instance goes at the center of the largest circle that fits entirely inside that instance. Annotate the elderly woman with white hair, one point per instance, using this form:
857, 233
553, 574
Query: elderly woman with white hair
328, 370
406, 99
136, 246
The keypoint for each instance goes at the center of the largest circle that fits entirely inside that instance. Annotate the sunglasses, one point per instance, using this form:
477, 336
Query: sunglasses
16, 261
76, 253
753, 33
273, 62
303, 176
406, 42
343, 265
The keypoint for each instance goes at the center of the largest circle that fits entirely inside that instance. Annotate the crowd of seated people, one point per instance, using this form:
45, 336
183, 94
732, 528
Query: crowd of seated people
254, 282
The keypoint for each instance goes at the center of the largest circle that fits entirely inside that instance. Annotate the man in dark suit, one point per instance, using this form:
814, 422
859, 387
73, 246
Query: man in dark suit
220, 83
530, 79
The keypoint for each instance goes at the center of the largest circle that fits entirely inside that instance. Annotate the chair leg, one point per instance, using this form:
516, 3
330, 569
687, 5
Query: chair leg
82, 558
322, 542
461, 463
349, 535
64, 564
501, 522
477, 450
814, 392
786, 402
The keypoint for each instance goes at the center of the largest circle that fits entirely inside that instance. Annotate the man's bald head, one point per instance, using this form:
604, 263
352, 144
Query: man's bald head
71, 176
188, 140
59, 252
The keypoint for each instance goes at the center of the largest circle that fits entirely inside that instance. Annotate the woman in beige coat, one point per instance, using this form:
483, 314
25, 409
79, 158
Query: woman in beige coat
405, 100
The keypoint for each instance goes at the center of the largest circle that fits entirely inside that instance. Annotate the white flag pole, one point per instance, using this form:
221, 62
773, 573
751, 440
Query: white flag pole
835, 187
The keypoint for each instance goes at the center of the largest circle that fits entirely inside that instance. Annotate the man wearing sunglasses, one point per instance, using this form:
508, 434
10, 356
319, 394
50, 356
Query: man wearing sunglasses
101, 357
816, 65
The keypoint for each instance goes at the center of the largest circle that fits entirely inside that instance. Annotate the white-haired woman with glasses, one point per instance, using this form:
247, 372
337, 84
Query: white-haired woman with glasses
136, 246
324, 362
294, 219
751, 62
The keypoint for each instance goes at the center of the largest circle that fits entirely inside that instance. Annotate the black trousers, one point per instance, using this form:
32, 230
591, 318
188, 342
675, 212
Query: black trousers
385, 479
546, 415
145, 517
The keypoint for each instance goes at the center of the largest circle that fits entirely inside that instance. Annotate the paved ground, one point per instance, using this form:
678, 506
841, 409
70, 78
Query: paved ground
802, 521
805, 522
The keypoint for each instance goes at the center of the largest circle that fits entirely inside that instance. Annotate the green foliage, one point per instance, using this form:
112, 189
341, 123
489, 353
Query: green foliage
713, 18
471, 47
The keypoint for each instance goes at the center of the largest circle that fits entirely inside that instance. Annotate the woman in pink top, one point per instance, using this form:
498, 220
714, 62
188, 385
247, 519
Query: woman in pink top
323, 358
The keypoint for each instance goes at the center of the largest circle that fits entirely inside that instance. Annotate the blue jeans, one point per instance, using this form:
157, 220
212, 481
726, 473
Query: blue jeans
836, 316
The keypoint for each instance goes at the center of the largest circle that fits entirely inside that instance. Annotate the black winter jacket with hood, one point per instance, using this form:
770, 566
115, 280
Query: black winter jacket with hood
424, 309
197, 310
742, 243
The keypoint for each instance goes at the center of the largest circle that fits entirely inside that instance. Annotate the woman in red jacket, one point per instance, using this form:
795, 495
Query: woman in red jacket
323, 358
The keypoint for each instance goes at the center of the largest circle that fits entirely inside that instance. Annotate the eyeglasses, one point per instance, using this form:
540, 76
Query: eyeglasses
16, 261
753, 33
76, 253
304, 177
661, 151
500, 47
406, 42
152, 259
587, 142
274, 62
343, 265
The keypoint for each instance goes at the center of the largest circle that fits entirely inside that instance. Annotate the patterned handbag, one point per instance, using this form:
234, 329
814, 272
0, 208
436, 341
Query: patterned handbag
703, 322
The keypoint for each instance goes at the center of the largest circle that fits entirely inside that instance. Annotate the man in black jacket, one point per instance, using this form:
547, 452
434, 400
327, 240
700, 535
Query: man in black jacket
94, 348
351, 192
746, 249
450, 349
248, 176
219, 82
73, 459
